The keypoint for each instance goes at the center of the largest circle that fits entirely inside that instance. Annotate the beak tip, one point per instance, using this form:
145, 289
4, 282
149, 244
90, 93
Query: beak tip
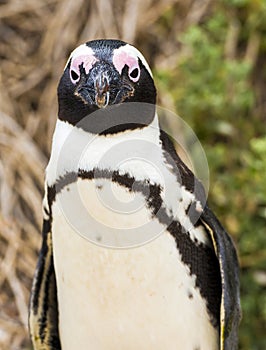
102, 100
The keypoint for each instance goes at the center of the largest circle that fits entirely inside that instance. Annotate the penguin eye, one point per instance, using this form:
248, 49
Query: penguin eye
74, 76
134, 74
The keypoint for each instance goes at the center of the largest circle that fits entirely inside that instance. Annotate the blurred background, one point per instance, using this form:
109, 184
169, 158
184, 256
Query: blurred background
209, 63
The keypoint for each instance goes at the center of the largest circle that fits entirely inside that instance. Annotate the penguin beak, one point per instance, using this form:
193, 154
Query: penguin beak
104, 86
101, 85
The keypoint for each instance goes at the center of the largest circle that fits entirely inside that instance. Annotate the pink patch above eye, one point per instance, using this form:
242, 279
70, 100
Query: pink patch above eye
122, 58
87, 60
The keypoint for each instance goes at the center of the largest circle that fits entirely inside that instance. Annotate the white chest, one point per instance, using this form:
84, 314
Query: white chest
141, 298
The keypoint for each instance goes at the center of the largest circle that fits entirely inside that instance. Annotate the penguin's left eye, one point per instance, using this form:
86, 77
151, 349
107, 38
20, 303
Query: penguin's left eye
134, 74
74, 76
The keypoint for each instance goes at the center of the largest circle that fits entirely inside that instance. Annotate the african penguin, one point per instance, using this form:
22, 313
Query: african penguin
132, 257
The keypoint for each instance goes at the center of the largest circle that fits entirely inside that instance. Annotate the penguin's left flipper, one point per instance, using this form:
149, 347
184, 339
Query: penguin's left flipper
43, 315
230, 312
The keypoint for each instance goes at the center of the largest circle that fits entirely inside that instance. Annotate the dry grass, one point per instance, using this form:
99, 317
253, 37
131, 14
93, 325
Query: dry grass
36, 38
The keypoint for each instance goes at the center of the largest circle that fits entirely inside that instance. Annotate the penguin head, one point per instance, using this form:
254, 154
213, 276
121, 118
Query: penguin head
103, 76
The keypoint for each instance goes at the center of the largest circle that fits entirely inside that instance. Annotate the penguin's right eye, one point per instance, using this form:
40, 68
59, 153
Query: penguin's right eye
74, 76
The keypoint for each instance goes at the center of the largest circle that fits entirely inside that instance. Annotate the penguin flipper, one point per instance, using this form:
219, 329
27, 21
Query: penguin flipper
43, 314
230, 311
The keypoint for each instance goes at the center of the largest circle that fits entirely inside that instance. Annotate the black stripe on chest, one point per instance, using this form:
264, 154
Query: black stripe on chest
200, 259
184, 177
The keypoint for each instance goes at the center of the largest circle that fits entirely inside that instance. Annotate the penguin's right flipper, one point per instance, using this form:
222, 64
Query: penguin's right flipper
43, 314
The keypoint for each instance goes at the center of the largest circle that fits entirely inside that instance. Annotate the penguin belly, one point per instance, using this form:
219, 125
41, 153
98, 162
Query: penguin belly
142, 297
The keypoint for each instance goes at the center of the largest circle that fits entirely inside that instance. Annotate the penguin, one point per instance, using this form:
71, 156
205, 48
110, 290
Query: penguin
132, 257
